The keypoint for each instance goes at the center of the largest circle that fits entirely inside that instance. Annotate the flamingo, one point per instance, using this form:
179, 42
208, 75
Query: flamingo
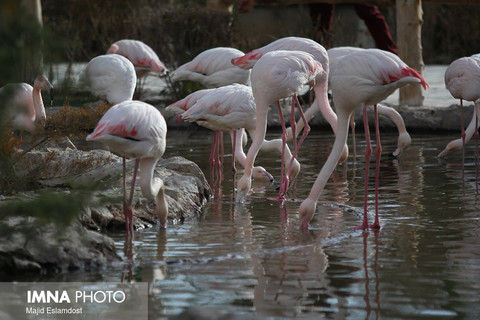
135, 129
111, 77
462, 79
232, 108
212, 68
277, 75
144, 59
360, 79
26, 110
321, 102
404, 139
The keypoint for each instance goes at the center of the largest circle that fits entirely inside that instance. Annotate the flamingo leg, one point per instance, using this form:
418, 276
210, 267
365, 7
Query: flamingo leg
283, 177
463, 139
234, 145
378, 153
477, 156
130, 227
368, 152
221, 148
354, 144
293, 124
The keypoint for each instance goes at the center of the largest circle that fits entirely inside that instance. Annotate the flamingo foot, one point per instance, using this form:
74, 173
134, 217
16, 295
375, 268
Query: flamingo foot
280, 198
375, 225
363, 227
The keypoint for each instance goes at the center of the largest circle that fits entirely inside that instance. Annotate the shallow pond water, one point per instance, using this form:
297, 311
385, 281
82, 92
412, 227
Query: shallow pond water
252, 259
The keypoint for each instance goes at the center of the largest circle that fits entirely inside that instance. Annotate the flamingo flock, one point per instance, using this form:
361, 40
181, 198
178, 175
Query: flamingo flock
238, 91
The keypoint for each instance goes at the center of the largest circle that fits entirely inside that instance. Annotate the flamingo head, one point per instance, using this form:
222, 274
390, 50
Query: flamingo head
248, 60
42, 83
260, 174
243, 187
404, 140
307, 210
452, 146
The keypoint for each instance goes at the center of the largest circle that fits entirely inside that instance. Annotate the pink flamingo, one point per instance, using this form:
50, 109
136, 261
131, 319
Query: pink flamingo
144, 59
232, 108
462, 79
321, 102
404, 139
212, 68
360, 79
111, 77
134, 129
277, 75
26, 110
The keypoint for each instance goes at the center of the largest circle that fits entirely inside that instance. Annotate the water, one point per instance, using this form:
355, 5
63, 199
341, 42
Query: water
252, 259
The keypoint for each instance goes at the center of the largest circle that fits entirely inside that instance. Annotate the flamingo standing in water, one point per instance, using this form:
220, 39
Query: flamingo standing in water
134, 129
212, 68
144, 59
277, 75
232, 108
462, 79
359, 79
26, 111
321, 102
111, 77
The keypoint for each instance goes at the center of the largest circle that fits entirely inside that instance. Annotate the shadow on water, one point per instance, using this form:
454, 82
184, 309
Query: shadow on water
251, 259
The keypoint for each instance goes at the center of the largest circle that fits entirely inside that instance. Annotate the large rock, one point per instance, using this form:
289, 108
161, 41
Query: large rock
26, 244
186, 188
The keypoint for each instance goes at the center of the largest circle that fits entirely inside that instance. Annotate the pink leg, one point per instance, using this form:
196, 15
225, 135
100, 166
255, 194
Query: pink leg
476, 154
463, 139
221, 148
293, 124
130, 199
234, 145
283, 177
378, 153
306, 130
368, 152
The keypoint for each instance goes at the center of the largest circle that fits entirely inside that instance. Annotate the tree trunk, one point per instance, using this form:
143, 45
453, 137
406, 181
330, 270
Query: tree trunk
409, 41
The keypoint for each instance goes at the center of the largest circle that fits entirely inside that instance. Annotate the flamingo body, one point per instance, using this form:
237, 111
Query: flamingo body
212, 68
359, 79
134, 129
111, 77
26, 110
143, 57
276, 75
228, 108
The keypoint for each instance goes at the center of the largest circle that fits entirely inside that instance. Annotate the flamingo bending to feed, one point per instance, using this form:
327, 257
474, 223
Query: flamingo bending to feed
26, 111
143, 58
462, 79
212, 68
321, 102
360, 79
134, 129
232, 108
277, 75
111, 77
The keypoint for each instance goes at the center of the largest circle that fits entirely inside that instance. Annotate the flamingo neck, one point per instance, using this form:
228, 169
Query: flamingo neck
321, 95
153, 187
332, 160
40, 115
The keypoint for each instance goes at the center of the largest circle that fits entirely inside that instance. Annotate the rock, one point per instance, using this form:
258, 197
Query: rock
27, 245
186, 188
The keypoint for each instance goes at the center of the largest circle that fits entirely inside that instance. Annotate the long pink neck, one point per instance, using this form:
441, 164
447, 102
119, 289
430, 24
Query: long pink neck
321, 96
40, 114
332, 160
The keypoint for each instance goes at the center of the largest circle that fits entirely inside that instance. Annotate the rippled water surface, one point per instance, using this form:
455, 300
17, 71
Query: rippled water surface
252, 260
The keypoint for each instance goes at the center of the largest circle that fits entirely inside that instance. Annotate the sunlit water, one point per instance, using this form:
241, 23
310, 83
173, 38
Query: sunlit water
252, 259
